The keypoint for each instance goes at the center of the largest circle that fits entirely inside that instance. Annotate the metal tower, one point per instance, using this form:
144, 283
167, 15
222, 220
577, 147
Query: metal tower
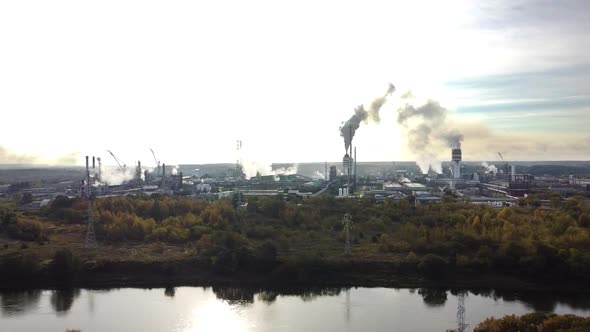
238, 174
238, 159
347, 221
90, 241
461, 325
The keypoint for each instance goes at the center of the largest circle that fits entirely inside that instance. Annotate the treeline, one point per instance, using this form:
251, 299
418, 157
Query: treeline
527, 239
535, 322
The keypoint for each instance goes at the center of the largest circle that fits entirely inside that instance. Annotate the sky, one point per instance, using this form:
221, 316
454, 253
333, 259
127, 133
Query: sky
189, 78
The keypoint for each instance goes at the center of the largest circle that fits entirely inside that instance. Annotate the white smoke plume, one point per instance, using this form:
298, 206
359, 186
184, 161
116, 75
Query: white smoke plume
252, 168
427, 129
114, 175
285, 170
318, 175
489, 169
348, 129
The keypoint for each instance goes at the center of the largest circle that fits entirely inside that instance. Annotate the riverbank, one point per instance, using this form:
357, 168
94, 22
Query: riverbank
291, 273
161, 241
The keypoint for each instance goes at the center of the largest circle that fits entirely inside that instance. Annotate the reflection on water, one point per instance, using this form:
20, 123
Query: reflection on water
433, 297
170, 291
62, 299
187, 309
18, 302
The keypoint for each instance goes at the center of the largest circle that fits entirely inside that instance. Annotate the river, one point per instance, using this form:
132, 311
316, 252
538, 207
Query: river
185, 309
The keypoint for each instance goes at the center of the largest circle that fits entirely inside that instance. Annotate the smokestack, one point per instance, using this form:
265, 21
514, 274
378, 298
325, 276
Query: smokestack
93, 163
350, 160
163, 170
326, 171
456, 157
87, 178
348, 129
354, 168
99, 168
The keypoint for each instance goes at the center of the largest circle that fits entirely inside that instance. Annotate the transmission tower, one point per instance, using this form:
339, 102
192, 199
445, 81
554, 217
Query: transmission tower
90, 234
347, 221
90, 241
461, 325
238, 175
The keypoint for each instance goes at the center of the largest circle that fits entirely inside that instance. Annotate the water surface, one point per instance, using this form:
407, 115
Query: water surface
185, 309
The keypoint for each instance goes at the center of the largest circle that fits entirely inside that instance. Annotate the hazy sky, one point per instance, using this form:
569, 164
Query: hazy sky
189, 78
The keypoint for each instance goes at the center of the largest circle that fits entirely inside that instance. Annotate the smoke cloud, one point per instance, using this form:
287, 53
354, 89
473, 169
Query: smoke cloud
251, 168
489, 169
427, 129
114, 175
454, 139
349, 128
318, 175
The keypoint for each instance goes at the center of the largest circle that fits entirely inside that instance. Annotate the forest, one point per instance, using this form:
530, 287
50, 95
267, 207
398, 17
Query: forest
283, 234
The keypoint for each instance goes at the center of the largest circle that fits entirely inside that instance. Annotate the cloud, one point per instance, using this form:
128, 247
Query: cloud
483, 143
71, 158
8, 157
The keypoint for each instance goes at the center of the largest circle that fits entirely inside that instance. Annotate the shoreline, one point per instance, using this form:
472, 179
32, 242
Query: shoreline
329, 275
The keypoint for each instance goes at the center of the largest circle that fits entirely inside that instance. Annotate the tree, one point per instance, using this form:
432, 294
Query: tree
26, 198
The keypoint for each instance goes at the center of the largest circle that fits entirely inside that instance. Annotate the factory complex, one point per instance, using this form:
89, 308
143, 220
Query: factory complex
473, 182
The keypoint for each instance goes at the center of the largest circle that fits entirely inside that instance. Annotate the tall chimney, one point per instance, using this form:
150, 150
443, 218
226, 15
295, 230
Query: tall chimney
87, 179
99, 168
93, 162
163, 170
354, 169
87, 169
456, 157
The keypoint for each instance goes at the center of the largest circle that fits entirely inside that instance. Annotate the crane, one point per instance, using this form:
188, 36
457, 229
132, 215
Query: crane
119, 162
505, 163
157, 162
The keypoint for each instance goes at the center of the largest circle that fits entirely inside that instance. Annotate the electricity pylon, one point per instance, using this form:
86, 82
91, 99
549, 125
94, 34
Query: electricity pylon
90, 241
461, 325
347, 221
